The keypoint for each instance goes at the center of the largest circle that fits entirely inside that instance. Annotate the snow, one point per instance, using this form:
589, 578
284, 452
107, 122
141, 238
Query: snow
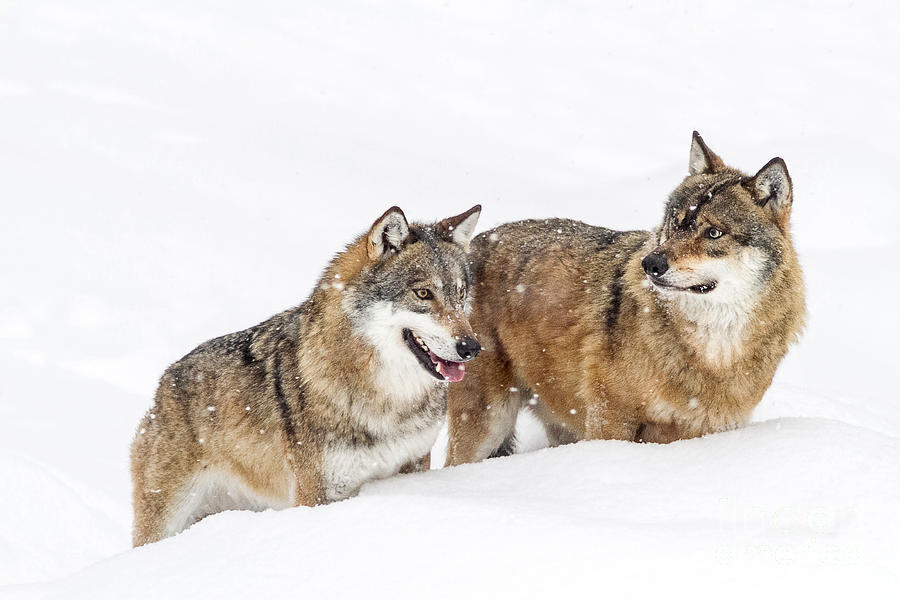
172, 172
696, 514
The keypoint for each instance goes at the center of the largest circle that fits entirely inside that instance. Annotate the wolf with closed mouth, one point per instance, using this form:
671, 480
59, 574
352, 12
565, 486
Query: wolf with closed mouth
634, 335
305, 407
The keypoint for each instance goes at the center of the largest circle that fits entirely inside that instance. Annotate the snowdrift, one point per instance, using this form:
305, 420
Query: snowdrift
794, 507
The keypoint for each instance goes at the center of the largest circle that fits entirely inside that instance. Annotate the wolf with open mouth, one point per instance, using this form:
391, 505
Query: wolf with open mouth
305, 407
634, 335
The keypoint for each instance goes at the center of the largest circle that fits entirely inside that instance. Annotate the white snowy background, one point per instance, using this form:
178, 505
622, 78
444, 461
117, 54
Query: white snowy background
173, 171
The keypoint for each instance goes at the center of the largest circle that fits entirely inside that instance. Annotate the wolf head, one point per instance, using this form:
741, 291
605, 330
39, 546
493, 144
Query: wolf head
411, 300
723, 235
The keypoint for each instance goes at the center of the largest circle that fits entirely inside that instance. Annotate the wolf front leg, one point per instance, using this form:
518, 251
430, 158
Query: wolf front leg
482, 411
417, 466
606, 420
307, 465
661, 433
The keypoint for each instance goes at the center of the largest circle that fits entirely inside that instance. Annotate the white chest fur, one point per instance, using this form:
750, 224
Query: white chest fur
347, 467
717, 330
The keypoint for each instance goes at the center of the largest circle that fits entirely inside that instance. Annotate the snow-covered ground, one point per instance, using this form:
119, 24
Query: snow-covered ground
172, 171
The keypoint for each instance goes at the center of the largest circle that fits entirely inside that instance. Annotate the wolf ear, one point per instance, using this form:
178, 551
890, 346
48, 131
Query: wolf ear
772, 186
703, 160
459, 229
387, 234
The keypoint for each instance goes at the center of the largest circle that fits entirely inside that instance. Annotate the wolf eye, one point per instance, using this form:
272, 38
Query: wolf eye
713, 233
423, 294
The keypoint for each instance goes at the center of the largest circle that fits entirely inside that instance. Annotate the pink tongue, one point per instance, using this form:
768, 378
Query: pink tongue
452, 371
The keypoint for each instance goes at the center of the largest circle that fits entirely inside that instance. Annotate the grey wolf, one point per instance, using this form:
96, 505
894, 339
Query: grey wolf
305, 407
648, 336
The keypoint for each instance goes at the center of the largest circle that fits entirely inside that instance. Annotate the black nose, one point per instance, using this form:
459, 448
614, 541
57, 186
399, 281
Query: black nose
468, 348
655, 264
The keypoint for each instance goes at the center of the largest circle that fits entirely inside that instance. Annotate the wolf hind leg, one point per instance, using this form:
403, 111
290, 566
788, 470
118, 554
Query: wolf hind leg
207, 490
160, 495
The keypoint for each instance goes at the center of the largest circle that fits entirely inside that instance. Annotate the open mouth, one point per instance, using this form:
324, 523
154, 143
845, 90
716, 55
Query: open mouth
700, 288
445, 370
